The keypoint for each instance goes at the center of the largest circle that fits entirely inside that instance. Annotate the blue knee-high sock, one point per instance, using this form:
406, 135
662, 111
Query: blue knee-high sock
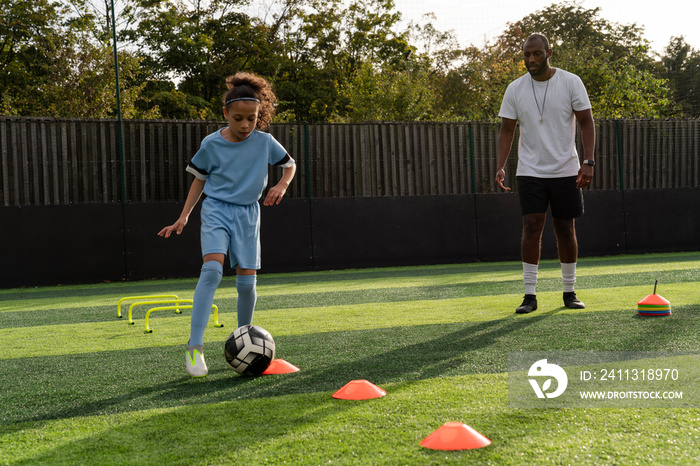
245, 285
209, 280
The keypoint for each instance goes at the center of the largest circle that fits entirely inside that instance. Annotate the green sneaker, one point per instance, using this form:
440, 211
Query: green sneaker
194, 361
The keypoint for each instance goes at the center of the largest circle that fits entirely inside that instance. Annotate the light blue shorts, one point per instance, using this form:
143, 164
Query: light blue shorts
231, 229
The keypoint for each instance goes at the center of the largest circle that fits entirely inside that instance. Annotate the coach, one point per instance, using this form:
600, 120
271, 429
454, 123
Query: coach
547, 102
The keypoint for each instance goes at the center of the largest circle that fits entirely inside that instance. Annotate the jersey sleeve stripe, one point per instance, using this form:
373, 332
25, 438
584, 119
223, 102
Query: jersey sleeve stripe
197, 172
286, 162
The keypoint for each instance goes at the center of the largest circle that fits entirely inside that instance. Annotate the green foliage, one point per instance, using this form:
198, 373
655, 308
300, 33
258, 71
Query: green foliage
52, 64
203, 46
475, 88
682, 65
389, 95
328, 60
332, 54
176, 105
84, 86
614, 61
30, 32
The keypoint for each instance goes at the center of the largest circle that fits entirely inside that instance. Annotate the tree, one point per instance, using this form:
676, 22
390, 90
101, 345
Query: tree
329, 60
682, 68
390, 95
474, 89
28, 35
307, 77
53, 64
201, 44
614, 61
401, 87
369, 38
334, 54
84, 85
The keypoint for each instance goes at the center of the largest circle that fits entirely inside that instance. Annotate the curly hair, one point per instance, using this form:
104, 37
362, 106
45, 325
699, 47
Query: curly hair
244, 84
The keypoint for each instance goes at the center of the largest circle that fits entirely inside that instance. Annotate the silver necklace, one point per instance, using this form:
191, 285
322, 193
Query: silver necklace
544, 100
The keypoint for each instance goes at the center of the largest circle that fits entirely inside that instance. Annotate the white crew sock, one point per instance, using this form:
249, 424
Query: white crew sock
568, 276
530, 277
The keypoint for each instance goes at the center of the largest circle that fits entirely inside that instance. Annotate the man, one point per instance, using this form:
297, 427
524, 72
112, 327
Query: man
547, 102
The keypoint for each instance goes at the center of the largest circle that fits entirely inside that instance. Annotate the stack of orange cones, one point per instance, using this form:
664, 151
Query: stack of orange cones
280, 366
359, 390
654, 305
455, 436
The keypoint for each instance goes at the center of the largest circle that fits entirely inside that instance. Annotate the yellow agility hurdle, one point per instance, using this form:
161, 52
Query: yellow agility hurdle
153, 296
177, 306
170, 308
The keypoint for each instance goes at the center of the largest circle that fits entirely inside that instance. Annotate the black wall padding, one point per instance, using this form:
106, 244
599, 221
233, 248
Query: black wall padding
151, 256
499, 226
373, 232
601, 230
61, 244
45, 245
663, 220
286, 236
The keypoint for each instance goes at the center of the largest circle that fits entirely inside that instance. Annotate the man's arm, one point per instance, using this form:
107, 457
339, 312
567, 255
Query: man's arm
587, 125
505, 142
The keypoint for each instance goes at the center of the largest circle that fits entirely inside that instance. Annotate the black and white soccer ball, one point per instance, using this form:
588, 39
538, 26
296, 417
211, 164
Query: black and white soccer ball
249, 350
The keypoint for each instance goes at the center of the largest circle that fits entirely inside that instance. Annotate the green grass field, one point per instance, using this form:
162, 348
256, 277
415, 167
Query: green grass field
80, 386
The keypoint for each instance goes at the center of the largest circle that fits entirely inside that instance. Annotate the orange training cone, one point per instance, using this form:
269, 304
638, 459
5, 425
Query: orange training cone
455, 436
359, 390
654, 305
280, 366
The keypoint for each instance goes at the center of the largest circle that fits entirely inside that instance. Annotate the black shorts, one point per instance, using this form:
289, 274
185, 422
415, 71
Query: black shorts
537, 194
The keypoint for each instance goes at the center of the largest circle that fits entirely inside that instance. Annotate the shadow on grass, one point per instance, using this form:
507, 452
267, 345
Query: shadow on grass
37, 389
266, 416
87, 384
435, 350
166, 286
287, 431
16, 319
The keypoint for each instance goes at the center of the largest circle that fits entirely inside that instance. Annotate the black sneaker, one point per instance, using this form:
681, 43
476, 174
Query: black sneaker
572, 302
529, 304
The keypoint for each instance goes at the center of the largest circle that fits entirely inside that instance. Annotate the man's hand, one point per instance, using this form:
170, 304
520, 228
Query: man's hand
585, 176
500, 178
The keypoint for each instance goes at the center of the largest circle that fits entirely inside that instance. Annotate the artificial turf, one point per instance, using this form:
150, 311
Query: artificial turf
81, 386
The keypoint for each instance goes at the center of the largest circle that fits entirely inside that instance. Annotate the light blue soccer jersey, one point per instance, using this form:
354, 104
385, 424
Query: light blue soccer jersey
236, 172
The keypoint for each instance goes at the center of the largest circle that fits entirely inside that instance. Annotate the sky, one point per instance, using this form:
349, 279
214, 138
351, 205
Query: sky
477, 21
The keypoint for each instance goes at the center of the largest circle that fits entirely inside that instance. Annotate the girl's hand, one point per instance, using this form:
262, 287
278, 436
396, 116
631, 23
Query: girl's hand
176, 227
275, 195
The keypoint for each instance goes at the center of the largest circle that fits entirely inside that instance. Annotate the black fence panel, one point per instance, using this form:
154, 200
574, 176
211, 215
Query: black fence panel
43, 245
662, 220
372, 232
47, 161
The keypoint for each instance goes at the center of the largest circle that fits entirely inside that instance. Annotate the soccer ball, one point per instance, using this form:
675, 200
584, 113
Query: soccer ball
249, 350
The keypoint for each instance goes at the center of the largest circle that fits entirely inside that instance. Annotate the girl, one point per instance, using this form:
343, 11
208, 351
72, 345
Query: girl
230, 167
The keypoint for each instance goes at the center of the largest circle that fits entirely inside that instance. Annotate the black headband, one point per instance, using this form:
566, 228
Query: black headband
238, 99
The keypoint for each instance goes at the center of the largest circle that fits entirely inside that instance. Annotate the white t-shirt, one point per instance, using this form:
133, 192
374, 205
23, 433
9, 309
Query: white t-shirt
546, 148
